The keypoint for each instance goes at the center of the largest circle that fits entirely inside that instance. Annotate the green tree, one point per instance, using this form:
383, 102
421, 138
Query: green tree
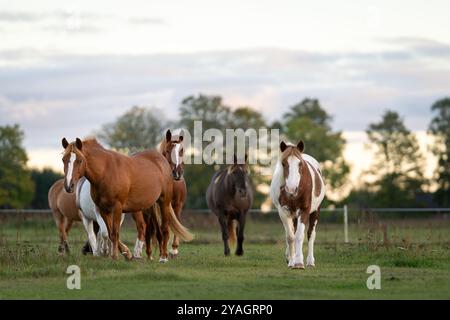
440, 128
43, 180
208, 109
16, 186
138, 129
246, 118
398, 162
309, 122
214, 115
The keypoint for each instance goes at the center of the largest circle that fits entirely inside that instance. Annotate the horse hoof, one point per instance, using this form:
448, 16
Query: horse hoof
163, 260
128, 256
312, 265
173, 255
299, 266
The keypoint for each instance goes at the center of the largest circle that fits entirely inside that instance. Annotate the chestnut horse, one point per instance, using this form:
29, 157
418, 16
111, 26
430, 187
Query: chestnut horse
297, 191
65, 212
171, 147
121, 183
230, 196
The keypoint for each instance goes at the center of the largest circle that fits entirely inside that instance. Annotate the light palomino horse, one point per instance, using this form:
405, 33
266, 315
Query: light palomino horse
121, 183
297, 191
171, 147
100, 243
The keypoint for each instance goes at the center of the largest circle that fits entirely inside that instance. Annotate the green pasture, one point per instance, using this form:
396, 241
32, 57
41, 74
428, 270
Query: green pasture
414, 258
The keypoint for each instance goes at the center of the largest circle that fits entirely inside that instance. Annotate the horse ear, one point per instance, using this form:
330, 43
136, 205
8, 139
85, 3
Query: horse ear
283, 146
168, 136
301, 146
79, 144
65, 143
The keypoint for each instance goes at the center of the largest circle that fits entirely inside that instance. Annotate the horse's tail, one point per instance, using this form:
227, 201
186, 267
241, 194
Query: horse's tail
232, 231
177, 228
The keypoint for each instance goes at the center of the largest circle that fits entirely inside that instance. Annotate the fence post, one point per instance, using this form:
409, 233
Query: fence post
345, 224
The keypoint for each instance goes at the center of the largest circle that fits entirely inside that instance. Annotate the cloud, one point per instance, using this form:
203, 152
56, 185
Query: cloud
146, 21
72, 95
76, 21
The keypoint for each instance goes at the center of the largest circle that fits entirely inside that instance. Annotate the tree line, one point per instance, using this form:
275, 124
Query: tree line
395, 179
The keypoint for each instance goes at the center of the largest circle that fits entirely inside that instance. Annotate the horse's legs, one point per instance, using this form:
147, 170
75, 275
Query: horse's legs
225, 236
313, 219
149, 233
240, 234
103, 232
138, 218
157, 230
60, 223
115, 234
176, 240
299, 238
67, 227
165, 207
288, 225
108, 219
89, 227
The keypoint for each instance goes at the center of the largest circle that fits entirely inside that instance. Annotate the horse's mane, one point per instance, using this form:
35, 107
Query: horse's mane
90, 142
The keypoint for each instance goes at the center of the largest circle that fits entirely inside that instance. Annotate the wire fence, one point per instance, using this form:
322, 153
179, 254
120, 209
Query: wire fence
344, 215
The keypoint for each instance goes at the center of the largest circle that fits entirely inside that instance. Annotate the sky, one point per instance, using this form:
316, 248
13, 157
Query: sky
66, 68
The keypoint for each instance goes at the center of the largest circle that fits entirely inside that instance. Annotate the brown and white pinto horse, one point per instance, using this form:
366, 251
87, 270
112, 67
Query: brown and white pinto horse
121, 183
297, 191
172, 149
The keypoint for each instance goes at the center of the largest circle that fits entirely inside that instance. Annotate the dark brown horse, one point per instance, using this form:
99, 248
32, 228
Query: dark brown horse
172, 149
121, 183
230, 196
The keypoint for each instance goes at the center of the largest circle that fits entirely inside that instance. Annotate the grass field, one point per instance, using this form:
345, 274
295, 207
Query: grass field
414, 257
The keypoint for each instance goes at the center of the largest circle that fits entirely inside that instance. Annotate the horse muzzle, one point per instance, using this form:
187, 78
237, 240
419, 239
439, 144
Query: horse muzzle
176, 175
291, 193
69, 188
242, 193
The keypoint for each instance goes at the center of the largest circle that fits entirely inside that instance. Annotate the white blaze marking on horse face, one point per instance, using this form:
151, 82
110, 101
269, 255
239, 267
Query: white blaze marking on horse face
293, 179
72, 159
176, 155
